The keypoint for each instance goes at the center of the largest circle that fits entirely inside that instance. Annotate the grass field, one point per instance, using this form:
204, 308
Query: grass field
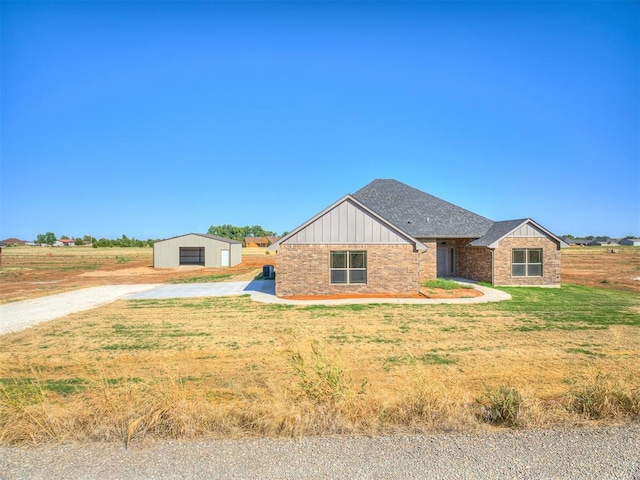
230, 367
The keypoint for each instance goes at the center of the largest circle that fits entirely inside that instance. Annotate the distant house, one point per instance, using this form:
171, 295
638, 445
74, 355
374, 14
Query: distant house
65, 242
2, 245
634, 242
197, 249
575, 241
388, 237
15, 242
255, 242
601, 242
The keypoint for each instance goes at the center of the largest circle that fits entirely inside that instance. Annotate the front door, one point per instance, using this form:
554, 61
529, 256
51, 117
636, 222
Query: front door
443, 267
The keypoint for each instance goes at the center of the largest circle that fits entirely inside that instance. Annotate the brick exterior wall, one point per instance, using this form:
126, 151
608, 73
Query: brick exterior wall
428, 261
550, 262
303, 270
473, 263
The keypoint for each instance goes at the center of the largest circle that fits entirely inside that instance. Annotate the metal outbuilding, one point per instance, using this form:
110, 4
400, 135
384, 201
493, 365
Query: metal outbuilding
197, 249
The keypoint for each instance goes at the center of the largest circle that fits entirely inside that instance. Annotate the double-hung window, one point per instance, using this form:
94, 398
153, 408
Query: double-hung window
348, 266
526, 262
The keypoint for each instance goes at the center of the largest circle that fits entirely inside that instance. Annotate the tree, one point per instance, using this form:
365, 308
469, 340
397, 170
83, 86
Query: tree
78, 241
48, 238
238, 233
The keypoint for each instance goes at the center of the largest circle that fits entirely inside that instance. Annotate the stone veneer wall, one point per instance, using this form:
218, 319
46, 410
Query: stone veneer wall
303, 270
550, 262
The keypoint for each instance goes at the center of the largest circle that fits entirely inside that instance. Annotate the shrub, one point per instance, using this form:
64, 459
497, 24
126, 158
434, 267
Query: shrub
501, 406
605, 398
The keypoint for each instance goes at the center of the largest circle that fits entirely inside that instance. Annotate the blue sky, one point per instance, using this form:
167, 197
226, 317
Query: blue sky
155, 119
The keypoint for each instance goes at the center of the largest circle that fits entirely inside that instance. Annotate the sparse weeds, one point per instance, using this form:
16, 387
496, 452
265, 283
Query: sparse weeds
320, 378
501, 406
203, 279
605, 397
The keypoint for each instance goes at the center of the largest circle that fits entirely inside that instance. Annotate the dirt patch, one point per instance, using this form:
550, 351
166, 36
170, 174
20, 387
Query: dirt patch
32, 272
433, 293
338, 297
597, 267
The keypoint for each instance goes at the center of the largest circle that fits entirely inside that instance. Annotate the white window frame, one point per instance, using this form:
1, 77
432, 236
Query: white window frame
527, 264
348, 269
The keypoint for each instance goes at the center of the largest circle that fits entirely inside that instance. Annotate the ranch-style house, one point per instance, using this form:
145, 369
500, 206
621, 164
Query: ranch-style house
389, 237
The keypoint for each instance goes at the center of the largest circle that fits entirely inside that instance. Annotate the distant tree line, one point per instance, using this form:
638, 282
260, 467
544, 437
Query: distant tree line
596, 237
123, 241
238, 233
49, 238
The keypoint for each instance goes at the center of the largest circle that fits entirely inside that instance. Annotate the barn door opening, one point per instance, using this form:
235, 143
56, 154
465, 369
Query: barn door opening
192, 256
224, 258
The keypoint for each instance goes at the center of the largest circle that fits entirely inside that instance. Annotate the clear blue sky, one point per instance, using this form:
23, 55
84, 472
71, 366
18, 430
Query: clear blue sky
155, 119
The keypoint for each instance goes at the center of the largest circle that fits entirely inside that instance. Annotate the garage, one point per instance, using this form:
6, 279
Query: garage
197, 249
192, 256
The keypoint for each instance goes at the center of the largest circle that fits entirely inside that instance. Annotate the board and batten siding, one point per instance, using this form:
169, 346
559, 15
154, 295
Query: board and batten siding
346, 223
526, 231
166, 253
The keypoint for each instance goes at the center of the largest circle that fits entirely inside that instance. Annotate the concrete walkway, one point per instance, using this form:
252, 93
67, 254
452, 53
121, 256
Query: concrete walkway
20, 315
264, 291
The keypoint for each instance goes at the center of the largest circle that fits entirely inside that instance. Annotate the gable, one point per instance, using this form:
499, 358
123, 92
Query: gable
343, 223
523, 228
526, 231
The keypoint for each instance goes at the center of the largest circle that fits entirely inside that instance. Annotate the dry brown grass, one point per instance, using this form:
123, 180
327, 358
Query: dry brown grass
229, 367
597, 267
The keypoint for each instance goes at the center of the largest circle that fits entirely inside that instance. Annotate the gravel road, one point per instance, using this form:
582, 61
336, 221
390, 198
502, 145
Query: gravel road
603, 453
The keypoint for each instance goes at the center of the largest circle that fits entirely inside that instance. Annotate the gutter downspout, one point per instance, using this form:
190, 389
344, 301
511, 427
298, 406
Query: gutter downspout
419, 267
492, 263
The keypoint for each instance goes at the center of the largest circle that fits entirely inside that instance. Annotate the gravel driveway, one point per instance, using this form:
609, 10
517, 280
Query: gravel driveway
20, 315
606, 453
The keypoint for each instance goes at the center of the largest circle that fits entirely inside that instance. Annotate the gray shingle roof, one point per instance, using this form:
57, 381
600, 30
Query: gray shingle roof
497, 231
419, 214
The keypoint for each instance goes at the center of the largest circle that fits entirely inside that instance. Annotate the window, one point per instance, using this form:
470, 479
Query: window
348, 267
526, 262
